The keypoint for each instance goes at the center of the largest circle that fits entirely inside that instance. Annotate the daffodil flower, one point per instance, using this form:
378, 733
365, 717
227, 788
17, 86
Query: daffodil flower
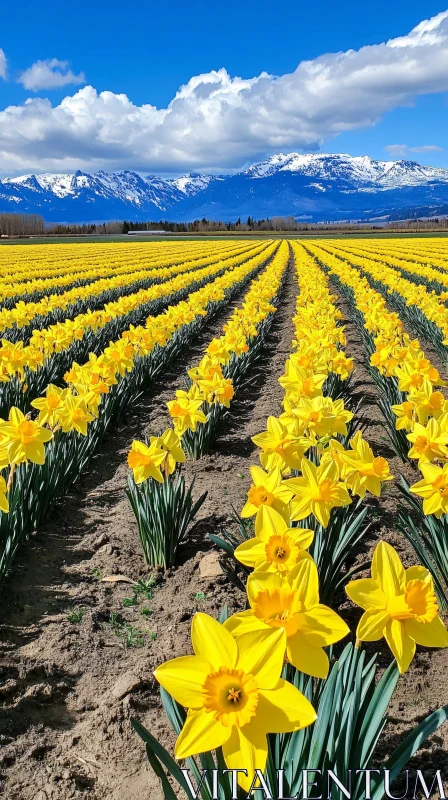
48, 405
317, 491
398, 604
74, 414
169, 442
185, 411
405, 413
427, 402
433, 488
280, 448
429, 442
145, 461
291, 603
217, 389
23, 438
276, 548
364, 472
266, 492
234, 695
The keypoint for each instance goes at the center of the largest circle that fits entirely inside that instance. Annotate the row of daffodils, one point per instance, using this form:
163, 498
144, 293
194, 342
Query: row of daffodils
211, 386
33, 269
24, 313
24, 363
242, 683
66, 422
422, 413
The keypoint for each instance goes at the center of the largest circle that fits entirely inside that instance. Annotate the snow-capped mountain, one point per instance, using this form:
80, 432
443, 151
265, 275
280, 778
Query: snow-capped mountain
311, 187
193, 183
357, 170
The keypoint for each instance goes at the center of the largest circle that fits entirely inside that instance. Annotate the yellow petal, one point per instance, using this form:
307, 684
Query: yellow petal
372, 624
244, 622
16, 416
262, 582
261, 654
248, 510
306, 658
271, 523
303, 537
321, 511
304, 580
321, 626
284, 709
428, 634
247, 749
366, 593
250, 552
419, 573
35, 452
213, 642
200, 733
259, 476
387, 570
401, 644
184, 679
267, 516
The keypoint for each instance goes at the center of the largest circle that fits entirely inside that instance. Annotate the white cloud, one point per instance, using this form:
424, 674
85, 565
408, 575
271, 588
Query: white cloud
216, 121
3, 64
402, 150
426, 148
49, 74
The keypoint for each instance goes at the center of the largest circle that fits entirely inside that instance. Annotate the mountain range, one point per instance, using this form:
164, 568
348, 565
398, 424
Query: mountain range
312, 188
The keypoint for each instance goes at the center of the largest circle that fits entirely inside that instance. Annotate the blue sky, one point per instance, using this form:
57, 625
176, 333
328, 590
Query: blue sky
148, 51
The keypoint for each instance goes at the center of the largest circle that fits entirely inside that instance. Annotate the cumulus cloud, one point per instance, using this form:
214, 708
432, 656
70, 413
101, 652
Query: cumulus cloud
221, 122
402, 150
49, 74
3, 65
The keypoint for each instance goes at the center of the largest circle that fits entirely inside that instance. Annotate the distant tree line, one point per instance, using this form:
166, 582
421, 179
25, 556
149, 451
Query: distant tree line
88, 229
21, 224
35, 225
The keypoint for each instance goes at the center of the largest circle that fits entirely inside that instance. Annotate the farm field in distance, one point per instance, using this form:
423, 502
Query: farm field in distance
235, 447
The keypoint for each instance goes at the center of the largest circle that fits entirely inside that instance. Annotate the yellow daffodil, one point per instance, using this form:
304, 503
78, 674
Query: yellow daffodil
316, 492
280, 448
429, 442
234, 695
405, 413
433, 488
291, 603
186, 412
266, 492
145, 461
24, 438
427, 402
276, 548
169, 442
398, 604
48, 405
364, 472
74, 414
298, 381
323, 416
217, 389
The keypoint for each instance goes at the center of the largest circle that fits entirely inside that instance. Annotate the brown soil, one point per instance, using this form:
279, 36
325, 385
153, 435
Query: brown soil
69, 688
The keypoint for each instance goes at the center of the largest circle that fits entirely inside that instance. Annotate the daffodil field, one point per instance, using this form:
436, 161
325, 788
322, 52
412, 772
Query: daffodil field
326, 611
